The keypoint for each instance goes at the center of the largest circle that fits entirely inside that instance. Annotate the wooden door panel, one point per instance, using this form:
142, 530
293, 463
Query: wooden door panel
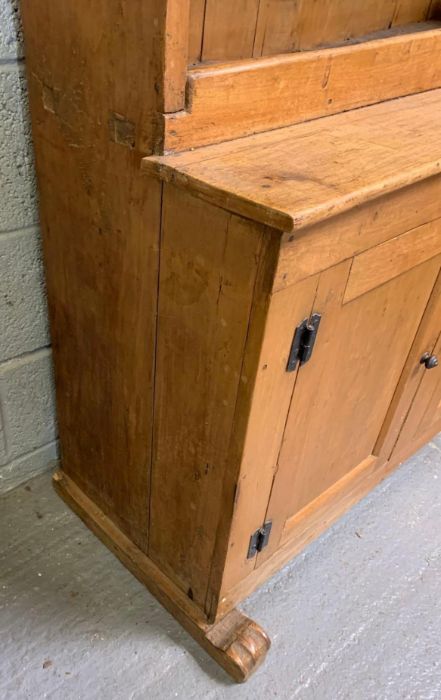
271, 396
424, 416
342, 395
413, 373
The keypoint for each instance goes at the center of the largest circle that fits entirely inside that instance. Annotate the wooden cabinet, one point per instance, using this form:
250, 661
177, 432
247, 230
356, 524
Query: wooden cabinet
416, 412
339, 400
243, 275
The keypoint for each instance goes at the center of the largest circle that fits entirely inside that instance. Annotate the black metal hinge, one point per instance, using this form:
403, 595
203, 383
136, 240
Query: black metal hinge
303, 342
259, 539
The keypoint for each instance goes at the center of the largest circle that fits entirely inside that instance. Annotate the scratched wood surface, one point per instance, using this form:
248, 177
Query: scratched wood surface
231, 100
290, 178
225, 30
205, 297
173, 304
354, 374
100, 226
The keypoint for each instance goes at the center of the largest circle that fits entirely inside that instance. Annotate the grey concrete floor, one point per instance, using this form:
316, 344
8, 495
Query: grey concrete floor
357, 615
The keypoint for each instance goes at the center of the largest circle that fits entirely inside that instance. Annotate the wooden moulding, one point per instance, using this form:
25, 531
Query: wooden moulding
231, 100
232, 29
294, 177
175, 54
237, 643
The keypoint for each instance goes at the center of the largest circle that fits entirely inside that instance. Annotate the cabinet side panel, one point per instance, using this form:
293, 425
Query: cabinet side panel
259, 429
92, 73
209, 260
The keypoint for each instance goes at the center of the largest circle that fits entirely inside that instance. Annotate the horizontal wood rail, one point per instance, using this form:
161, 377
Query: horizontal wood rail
232, 100
301, 175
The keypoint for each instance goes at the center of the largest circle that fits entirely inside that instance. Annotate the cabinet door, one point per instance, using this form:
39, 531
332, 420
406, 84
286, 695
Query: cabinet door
424, 417
414, 415
370, 317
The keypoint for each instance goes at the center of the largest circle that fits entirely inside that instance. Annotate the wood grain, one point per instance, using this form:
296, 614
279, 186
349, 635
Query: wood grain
326, 244
272, 392
237, 643
100, 228
175, 58
235, 99
229, 29
265, 27
206, 292
293, 177
250, 371
353, 373
424, 414
173, 305
390, 259
413, 374
196, 31
294, 26
310, 524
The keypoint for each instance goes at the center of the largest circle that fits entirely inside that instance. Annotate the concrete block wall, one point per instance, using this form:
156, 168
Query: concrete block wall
28, 433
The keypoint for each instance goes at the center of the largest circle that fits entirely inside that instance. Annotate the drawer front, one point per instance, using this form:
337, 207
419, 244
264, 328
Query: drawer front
392, 258
407, 219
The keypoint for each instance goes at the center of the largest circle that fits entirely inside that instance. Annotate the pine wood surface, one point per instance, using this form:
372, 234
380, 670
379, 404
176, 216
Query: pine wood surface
235, 30
396, 427
349, 384
352, 390
206, 290
293, 177
232, 100
325, 244
173, 304
320, 515
238, 644
100, 228
391, 259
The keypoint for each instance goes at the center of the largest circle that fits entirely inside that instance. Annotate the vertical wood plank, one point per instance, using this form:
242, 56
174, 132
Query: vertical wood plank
407, 11
258, 441
175, 61
291, 25
208, 264
277, 27
411, 378
91, 105
332, 21
229, 30
196, 30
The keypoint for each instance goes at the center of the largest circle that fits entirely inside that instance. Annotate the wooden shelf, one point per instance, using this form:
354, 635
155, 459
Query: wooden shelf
292, 177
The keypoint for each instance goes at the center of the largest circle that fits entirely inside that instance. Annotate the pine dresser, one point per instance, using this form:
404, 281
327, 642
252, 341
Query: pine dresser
241, 214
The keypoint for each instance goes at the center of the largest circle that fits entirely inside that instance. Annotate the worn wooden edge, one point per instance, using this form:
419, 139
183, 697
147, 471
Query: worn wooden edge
410, 379
235, 99
164, 168
318, 516
158, 166
175, 54
394, 34
237, 643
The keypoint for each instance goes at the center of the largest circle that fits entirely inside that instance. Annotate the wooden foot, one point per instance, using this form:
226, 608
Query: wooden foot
237, 643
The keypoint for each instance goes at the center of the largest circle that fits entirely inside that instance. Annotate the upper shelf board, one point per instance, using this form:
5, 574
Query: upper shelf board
230, 100
296, 176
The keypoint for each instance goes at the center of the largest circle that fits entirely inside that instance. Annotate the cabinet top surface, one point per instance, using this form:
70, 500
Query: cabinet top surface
292, 177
